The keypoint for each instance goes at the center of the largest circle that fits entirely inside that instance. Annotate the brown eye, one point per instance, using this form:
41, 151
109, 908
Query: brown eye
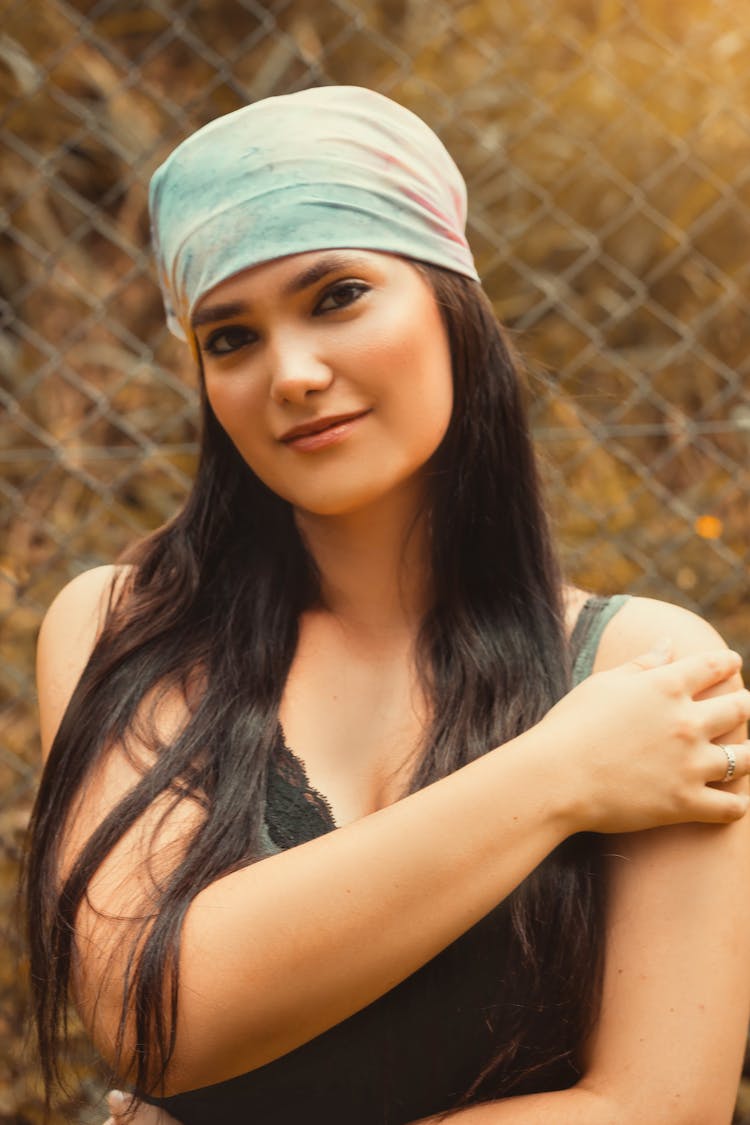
224, 341
340, 295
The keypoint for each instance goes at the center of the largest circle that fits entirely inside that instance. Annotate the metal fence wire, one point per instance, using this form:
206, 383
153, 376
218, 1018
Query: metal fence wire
606, 147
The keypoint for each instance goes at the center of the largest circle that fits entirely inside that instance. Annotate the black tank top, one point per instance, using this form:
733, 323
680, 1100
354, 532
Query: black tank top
412, 1052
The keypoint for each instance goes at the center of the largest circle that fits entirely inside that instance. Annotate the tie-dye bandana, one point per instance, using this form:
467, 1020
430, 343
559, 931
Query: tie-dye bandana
330, 168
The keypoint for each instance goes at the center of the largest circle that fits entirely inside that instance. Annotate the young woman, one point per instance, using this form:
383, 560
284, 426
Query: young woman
360, 599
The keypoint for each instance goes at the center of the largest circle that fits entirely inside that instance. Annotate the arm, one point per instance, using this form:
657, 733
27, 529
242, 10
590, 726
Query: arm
312, 911
669, 1045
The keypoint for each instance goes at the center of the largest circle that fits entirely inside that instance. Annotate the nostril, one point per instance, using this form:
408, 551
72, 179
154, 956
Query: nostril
297, 380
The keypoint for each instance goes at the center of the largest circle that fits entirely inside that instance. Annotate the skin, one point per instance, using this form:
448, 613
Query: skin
379, 346
628, 750
366, 336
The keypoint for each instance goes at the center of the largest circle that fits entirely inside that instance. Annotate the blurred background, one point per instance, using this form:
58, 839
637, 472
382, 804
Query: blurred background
606, 145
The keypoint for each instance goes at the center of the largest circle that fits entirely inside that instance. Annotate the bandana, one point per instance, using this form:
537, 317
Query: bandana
336, 167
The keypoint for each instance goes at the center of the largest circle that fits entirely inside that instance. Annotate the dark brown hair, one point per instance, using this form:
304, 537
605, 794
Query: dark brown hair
221, 588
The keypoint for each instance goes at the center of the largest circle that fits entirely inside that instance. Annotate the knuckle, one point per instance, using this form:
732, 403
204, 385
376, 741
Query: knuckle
683, 793
672, 684
683, 730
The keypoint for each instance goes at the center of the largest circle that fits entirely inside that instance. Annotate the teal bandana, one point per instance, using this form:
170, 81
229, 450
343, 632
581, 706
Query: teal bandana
337, 167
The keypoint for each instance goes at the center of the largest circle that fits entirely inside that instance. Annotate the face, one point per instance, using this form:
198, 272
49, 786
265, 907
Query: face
330, 371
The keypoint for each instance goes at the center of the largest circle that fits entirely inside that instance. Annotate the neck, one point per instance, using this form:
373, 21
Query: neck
373, 565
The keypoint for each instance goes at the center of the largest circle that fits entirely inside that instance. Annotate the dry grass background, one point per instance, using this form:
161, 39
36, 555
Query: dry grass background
606, 147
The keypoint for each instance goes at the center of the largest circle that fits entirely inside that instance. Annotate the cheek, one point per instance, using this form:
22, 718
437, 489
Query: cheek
421, 378
236, 410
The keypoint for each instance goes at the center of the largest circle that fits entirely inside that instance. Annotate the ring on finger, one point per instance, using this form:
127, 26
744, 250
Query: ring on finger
731, 761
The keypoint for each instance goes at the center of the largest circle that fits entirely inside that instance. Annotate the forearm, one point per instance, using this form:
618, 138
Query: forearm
563, 1107
277, 952
315, 933
577, 1106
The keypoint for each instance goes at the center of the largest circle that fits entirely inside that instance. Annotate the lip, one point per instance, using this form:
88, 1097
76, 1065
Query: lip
320, 428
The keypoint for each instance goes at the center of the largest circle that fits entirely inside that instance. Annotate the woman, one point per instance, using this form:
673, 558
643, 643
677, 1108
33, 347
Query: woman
363, 573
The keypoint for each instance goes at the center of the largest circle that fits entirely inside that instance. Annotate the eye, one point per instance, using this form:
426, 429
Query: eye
340, 295
225, 341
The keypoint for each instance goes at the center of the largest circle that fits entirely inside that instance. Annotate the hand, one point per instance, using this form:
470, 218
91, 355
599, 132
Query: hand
636, 743
125, 1111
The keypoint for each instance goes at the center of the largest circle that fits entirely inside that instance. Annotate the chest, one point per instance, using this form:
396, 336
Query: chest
355, 717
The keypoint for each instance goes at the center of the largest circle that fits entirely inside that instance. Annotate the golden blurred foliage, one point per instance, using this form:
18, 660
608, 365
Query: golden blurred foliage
605, 144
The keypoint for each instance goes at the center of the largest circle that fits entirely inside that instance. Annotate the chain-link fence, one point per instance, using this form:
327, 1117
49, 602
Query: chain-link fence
606, 150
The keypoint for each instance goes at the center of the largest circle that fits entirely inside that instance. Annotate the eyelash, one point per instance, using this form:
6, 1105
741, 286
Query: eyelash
244, 337
358, 286
236, 332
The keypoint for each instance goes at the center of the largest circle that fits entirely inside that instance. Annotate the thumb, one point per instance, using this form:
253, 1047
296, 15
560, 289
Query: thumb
117, 1102
661, 653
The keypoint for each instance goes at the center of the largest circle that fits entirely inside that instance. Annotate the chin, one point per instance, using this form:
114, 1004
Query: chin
332, 507
342, 494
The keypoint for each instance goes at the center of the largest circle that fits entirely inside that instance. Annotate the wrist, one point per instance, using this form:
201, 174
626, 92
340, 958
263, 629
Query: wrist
550, 762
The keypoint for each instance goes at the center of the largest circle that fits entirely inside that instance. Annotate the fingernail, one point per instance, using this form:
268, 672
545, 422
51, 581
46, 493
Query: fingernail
116, 1100
663, 647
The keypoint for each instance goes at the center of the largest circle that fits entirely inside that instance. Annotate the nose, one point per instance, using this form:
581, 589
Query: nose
296, 370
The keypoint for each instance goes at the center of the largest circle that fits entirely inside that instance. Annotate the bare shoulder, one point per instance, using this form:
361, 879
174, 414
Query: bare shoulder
84, 598
67, 636
643, 622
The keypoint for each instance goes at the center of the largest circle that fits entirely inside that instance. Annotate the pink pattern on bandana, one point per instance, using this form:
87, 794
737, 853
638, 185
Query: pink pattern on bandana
331, 167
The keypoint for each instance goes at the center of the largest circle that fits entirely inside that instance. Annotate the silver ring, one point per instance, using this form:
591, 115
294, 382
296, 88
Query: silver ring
731, 761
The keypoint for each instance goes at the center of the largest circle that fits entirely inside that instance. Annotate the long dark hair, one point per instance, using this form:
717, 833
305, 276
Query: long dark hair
219, 590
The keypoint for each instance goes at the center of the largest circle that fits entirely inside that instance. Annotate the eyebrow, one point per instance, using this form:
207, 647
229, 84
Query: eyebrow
210, 314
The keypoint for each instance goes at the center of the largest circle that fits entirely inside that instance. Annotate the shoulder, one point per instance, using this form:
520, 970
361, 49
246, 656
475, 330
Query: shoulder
642, 622
67, 637
85, 597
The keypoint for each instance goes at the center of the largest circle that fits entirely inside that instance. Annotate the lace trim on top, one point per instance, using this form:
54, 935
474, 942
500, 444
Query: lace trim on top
295, 811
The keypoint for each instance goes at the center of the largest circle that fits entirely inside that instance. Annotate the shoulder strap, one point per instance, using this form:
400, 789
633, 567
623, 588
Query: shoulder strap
594, 617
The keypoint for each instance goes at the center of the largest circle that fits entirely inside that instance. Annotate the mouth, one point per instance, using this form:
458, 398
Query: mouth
320, 425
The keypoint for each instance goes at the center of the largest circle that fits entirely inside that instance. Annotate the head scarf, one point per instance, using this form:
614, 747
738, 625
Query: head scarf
328, 168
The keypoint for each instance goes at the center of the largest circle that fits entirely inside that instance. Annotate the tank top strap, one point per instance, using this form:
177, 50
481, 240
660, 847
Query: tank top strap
593, 619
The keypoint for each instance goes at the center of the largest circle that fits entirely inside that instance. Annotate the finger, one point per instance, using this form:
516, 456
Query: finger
120, 1105
117, 1101
661, 653
703, 670
720, 757
139, 1113
719, 806
723, 713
